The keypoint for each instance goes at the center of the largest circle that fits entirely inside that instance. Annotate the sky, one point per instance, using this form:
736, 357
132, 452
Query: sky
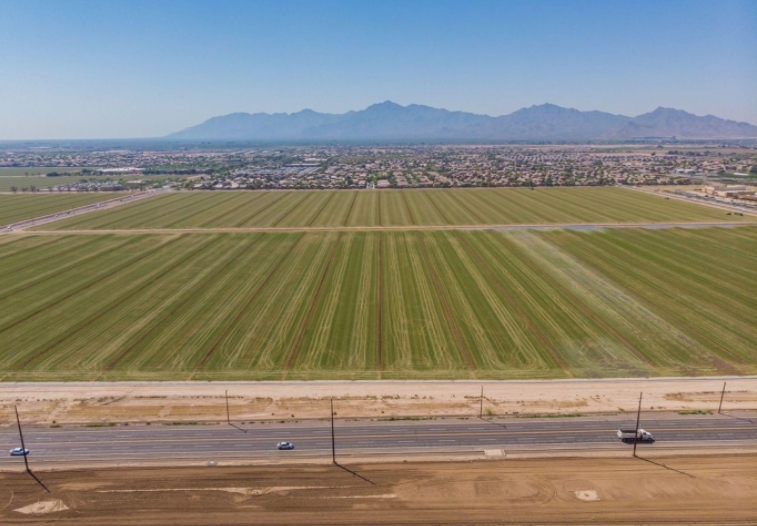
122, 69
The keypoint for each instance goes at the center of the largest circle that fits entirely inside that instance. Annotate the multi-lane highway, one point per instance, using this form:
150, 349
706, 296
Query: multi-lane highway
218, 442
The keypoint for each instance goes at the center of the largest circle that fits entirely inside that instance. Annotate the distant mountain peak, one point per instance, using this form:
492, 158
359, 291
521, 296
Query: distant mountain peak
391, 121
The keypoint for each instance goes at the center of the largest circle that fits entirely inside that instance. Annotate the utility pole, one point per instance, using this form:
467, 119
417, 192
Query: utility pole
23, 446
228, 417
481, 408
636, 435
333, 446
722, 394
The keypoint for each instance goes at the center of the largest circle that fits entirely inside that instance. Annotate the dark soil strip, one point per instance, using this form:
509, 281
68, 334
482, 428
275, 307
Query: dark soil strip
170, 211
407, 206
233, 209
139, 212
244, 308
199, 211
91, 283
58, 271
379, 209
311, 309
114, 305
282, 196
663, 312
310, 223
575, 300
23, 250
513, 303
380, 310
465, 207
445, 304
223, 267
349, 212
295, 207
54, 255
439, 210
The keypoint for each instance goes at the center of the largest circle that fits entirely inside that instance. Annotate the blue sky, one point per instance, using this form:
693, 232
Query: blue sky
99, 69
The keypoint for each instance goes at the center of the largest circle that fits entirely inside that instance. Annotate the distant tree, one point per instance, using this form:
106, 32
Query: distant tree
14, 189
753, 170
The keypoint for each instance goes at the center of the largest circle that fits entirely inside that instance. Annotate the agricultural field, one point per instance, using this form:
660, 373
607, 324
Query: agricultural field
367, 305
15, 208
366, 208
7, 183
30, 171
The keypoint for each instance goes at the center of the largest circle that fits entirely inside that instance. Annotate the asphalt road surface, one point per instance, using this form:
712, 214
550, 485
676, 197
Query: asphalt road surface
216, 442
118, 200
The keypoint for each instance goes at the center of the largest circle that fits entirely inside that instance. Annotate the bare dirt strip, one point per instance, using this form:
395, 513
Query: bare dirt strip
237, 230
86, 402
658, 490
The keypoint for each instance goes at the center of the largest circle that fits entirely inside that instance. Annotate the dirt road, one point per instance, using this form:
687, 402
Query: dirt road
701, 490
83, 402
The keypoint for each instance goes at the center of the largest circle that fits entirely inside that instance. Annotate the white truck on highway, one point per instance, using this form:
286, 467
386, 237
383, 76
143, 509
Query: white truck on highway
627, 435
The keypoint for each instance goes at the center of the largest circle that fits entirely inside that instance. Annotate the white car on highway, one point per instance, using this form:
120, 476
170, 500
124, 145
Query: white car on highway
284, 445
19, 452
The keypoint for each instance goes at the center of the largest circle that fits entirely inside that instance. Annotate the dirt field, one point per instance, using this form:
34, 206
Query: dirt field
701, 490
48, 403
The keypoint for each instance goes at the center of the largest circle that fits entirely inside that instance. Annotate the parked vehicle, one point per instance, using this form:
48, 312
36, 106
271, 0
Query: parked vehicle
627, 435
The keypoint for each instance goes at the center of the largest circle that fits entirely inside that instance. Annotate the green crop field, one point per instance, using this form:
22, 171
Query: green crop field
35, 170
367, 305
15, 208
7, 183
368, 208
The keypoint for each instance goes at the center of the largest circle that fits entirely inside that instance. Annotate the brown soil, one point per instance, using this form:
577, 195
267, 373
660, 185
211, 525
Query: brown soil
48, 403
702, 490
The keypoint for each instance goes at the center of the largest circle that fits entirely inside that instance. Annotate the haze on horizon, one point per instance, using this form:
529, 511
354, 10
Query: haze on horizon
86, 69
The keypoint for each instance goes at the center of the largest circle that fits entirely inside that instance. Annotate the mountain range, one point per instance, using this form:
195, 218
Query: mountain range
389, 121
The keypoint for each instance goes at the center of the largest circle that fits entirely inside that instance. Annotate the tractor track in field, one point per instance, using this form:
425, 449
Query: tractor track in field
232, 210
409, 210
197, 212
388, 228
379, 210
240, 312
118, 303
17, 252
65, 250
266, 207
438, 210
380, 301
149, 218
578, 302
311, 309
445, 305
204, 283
514, 304
92, 282
320, 210
349, 212
465, 207
296, 206
62, 269
663, 312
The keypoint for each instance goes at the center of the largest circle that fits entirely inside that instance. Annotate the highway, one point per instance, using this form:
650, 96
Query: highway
102, 205
312, 439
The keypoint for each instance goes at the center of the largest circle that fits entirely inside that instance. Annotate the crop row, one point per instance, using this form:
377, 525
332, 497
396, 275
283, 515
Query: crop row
394, 208
15, 208
449, 304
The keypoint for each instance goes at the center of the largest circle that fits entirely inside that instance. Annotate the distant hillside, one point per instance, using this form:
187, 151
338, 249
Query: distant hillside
390, 121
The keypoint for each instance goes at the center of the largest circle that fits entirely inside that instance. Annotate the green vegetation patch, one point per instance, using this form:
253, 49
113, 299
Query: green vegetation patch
14, 208
367, 305
371, 208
